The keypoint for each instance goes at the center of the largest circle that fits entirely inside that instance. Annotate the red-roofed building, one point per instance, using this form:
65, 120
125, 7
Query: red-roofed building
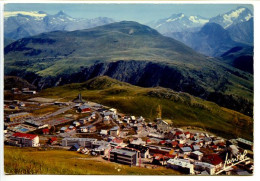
46, 131
213, 159
161, 159
178, 133
25, 140
215, 147
148, 141
162, 142
117, 141
52, 140
180, 145
174, 143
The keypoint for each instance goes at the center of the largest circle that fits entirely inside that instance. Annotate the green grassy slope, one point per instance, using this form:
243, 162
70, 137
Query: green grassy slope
62, 162
182, 108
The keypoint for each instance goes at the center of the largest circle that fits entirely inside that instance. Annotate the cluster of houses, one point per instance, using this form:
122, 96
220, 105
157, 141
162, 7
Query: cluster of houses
80, 125
15, 104
190, 152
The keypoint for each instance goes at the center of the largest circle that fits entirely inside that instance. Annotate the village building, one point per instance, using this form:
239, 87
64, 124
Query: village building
138, 141
132, 118
21, 104
245, 144
126, 120
91, 128
15, 89
195, 147
196, 155
63, 129
52, 140
142, 149
161, 159
46, 131
114, 111
160, 150
213, 159
106, 120
36, 124
101, 148
232, 142
84, 120
185, 150
170, 135
31, 92
84, 109
162, 126
93, 116
127, 157
75, 147
187, 134
117, 142
76, 123
103, 132
24, 140
71, 127
203, 166
114, 131
17, 116
87, 129
181, 165
155, 135
84, 142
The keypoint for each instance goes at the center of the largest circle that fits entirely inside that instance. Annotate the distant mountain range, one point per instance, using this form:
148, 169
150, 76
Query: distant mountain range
212, 36
129, 52
20, 24
237, 28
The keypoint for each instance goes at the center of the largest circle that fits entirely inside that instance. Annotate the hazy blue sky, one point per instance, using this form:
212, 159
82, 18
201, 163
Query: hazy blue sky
136, 12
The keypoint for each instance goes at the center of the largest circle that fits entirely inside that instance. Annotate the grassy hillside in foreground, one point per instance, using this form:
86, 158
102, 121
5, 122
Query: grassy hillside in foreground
34, 161
182, 108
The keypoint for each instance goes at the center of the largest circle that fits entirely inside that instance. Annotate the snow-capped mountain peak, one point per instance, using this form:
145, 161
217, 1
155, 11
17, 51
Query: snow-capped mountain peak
238, 15
178, 23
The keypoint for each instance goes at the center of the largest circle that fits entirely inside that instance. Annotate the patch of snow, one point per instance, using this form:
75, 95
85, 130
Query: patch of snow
228, 17
195, 19
158, 26
174, 19
248, 17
